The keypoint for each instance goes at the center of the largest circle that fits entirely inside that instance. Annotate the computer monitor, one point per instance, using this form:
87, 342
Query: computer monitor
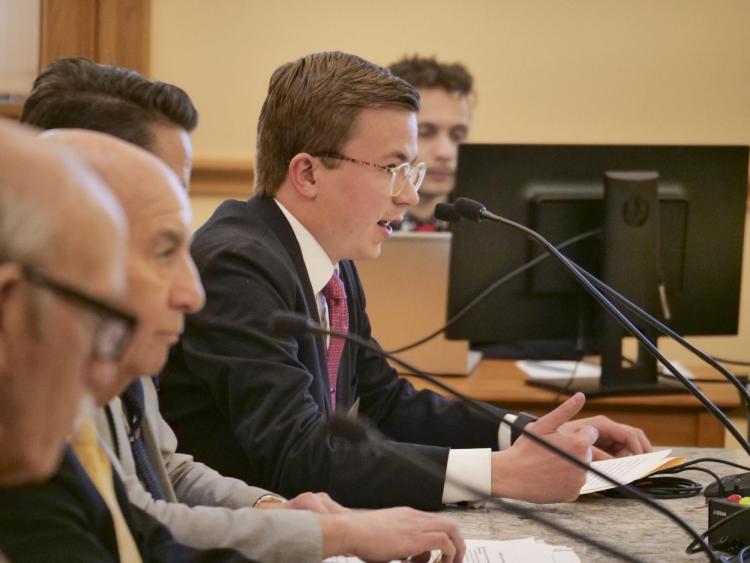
558, 190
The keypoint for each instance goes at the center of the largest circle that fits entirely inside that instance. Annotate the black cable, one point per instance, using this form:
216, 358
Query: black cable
662, 487
732, 362
711, 460
492, 287
707, 380
566, 388
713, 475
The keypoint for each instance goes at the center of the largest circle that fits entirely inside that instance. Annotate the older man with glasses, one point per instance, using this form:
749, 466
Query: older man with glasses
62, 329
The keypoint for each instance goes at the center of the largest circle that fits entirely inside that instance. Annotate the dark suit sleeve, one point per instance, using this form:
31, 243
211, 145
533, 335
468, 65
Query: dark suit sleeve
52, 532
59, 520
65, 520
268, 399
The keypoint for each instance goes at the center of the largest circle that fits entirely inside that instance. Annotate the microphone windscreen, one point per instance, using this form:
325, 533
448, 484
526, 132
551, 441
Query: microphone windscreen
469, 209
446, 212
347, 428
283, 323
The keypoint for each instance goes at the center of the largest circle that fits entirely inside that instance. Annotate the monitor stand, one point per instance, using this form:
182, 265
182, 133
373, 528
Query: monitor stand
632, 265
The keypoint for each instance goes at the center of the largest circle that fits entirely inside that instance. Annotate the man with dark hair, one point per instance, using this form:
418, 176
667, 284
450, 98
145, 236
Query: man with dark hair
79, 93
335, 166
446, 93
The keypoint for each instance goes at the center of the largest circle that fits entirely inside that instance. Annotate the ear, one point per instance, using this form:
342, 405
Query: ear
10, 277
302, 171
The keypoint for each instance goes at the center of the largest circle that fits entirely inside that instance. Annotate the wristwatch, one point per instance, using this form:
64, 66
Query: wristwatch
268, 498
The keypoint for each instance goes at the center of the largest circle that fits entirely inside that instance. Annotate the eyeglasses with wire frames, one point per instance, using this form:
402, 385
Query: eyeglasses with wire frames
401, 175
115, 325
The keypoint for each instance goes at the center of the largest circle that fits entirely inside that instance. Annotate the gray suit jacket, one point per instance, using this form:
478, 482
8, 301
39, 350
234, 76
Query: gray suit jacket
204, 509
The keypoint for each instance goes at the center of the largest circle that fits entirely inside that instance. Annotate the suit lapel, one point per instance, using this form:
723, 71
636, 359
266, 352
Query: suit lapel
274, 218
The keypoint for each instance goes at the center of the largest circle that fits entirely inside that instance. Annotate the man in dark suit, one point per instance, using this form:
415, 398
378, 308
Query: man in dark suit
335, 165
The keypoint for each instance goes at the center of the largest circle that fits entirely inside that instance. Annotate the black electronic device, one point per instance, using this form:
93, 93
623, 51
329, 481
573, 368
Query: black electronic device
683, 261
735, 534
737, 484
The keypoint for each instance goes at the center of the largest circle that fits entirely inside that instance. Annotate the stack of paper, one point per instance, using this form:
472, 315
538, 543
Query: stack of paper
527, 550
628, 469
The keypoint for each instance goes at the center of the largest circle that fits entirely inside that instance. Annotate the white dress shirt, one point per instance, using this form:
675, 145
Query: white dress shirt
467, 466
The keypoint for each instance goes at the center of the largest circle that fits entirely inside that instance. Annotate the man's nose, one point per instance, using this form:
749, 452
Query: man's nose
187, 293
445, 148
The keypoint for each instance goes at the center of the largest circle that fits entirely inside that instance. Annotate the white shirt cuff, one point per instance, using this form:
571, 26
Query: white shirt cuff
469, 467
504, 437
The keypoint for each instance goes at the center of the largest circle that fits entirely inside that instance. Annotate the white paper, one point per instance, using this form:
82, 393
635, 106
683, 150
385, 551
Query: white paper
553, 369
527, 550
623, 469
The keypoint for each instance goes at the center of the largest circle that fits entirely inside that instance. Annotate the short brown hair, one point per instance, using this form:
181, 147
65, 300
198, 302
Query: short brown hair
423, 72
312, 106
79, 93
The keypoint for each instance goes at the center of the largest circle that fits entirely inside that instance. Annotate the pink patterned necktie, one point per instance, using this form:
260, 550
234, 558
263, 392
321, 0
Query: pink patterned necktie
338, 319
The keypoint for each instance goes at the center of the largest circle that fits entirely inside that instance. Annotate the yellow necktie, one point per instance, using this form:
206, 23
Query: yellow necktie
99, 469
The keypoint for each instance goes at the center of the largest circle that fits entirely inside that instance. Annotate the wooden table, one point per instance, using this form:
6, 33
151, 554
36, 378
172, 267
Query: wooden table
675, 420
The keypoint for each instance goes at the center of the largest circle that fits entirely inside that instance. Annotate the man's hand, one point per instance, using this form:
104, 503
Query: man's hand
615, 439
531, 472
320, 503
393, 533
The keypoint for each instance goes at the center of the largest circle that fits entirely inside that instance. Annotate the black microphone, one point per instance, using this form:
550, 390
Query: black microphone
446, 212
281, 319
475, 211
359, 433
469, 209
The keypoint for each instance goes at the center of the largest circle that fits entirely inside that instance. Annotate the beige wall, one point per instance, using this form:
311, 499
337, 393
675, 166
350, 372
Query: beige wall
640, 71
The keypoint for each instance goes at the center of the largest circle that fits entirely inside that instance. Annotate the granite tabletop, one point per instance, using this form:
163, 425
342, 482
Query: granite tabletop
625, 524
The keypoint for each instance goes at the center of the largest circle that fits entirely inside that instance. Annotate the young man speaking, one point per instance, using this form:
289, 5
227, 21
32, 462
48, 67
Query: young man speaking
335, 166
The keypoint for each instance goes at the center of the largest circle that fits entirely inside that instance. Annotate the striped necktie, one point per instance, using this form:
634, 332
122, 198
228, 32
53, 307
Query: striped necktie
133, 405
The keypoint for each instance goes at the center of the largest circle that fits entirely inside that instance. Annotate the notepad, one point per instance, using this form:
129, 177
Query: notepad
628, 469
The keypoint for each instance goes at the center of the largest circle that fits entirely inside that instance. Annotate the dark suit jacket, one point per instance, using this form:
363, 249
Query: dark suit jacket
255, 407
65, 519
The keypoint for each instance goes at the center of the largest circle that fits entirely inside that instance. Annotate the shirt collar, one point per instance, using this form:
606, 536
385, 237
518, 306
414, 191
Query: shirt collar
318, 264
